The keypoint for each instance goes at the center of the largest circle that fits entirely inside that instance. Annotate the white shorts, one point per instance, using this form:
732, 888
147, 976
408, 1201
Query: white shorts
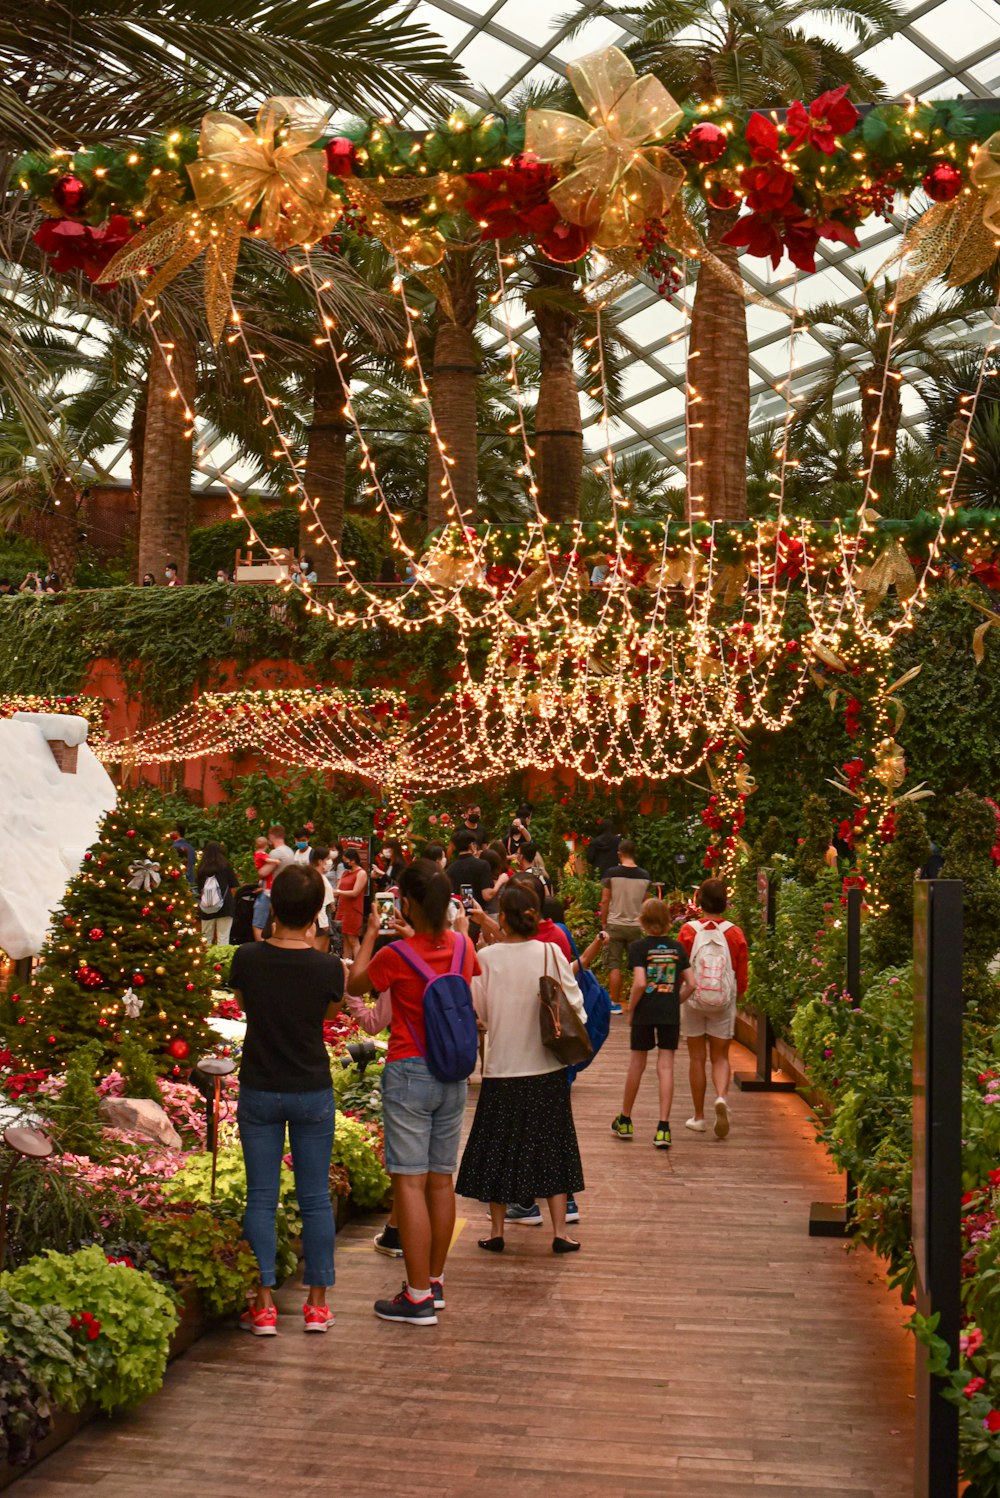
718, 1022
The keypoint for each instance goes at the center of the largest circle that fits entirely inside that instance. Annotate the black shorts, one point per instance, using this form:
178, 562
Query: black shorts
645, 1037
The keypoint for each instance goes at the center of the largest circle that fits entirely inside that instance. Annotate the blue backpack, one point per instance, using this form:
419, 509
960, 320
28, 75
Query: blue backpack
597, 1005
449, 1018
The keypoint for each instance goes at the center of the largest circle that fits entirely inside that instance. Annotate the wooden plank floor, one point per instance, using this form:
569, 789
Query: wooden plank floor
700, 1346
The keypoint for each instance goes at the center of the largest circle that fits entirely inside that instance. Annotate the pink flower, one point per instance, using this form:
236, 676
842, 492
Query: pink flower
970, 1342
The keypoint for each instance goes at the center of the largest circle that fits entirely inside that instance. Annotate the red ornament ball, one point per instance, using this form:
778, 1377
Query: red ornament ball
943, 182
722, 198
87, 857
176, 1072
15, 998
189, 987
179, 1049
51, 1039
138, 978
21, 1019
103, 1023
130, 832
95, 933
706, 142
70, 194
68, 922
341, 156
145, 910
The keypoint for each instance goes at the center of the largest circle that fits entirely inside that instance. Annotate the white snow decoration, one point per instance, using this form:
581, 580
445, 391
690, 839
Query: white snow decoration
50, 820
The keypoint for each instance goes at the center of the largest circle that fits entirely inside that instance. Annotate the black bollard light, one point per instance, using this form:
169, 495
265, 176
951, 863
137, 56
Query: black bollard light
215, 1068
27, 1144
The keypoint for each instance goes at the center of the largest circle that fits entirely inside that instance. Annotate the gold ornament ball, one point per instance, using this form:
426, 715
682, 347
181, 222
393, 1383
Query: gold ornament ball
160, 971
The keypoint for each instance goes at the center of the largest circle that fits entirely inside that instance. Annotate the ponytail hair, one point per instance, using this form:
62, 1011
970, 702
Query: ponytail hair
424, 885
519, 906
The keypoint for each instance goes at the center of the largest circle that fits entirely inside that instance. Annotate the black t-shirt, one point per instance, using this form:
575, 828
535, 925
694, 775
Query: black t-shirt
227, 883
285, 992
470, 870
664, 961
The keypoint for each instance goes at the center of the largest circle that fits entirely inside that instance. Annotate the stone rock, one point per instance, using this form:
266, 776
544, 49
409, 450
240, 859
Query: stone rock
142, 1116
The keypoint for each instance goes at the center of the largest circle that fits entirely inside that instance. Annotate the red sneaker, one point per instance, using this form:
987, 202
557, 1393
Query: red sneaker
262, 1323
317, 1318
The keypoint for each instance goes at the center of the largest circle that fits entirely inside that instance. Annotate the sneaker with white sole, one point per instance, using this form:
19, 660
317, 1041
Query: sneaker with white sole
262, 1323
530, 1217
697, 1124
721, 1118
316, 1318
403, 1308
572, 1209
437, 1290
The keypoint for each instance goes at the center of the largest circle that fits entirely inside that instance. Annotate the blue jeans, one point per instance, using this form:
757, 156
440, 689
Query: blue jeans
422, 1119
261, 909
262, 1117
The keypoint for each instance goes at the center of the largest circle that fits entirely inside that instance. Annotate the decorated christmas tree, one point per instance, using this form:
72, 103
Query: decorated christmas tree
124, 957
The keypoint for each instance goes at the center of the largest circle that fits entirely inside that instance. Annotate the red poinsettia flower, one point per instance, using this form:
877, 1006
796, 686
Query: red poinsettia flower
73, 246
760, 233
827, 117
763, 138
768, 189
514, 199
987, 573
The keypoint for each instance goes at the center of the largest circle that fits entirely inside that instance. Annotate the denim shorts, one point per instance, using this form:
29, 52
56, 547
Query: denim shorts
261, 909
422, 1119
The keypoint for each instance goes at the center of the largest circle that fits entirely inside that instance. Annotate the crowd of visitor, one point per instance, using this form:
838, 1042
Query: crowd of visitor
460, 953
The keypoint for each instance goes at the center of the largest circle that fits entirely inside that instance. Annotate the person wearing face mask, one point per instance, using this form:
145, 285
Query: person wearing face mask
472, 818
321, 861
303, 852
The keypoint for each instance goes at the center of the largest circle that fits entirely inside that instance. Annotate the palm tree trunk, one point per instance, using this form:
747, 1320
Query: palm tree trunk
886, 409
136, 442
558, 423
326, 469
165, 511
453, 397
719, 371
64, 529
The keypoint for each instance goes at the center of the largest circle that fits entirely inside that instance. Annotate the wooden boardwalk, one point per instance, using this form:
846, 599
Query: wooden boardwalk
700, 1346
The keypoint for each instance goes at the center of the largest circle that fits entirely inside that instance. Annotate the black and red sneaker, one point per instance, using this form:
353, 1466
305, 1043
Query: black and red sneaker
403, 1308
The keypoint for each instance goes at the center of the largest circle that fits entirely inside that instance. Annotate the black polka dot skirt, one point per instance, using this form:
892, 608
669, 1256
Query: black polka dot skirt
523, 1143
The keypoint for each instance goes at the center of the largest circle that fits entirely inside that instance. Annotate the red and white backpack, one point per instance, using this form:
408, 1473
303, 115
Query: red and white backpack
712, 966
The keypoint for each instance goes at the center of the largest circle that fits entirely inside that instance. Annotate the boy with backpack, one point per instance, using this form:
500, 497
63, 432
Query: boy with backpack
661, 981
718, 953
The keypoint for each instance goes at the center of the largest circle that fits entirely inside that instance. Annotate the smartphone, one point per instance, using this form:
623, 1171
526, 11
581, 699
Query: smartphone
385, 903
467, 896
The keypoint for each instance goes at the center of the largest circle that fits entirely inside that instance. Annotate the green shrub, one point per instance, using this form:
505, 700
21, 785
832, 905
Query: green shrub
75, 1114
24, 1412
52, 1207
193, 1184
207, 1250
42, 1339
891, 933
127, 1359
968, 857
139, 1070
353, 1148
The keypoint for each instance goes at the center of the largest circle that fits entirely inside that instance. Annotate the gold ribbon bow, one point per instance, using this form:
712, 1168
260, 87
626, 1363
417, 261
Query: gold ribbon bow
271, 165
958, 238
619, 177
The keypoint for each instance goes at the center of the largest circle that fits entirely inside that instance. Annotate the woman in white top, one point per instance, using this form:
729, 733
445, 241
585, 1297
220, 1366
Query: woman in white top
320, 859
523, 1143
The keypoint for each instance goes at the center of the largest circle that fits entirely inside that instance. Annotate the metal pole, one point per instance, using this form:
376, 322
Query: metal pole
938, 1012
833, 1219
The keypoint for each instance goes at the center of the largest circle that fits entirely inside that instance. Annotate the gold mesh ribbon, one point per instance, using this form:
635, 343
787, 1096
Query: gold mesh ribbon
618, 176
270, 166
957, 240
892, 567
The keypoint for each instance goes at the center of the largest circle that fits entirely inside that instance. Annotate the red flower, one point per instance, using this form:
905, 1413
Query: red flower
973, 1387
762, 138
71, 246
768, 188
341, 157
514, 199
564, 243
987, 573
830, 115
992, 1422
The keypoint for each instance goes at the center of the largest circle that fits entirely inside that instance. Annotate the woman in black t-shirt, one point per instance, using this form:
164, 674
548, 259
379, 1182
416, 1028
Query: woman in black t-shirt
216, 919
287, 989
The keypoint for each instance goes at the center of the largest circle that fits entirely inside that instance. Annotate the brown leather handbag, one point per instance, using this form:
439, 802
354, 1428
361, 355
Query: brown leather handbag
563, 1031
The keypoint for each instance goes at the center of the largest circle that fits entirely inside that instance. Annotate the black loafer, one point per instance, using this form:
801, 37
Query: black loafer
492, 1245
565, 1246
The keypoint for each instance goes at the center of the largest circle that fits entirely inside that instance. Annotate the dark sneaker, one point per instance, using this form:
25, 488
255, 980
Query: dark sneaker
572, 1209
437, 1290
387, 1242
528, 1216
402, 1308
662, 1138
622, 1126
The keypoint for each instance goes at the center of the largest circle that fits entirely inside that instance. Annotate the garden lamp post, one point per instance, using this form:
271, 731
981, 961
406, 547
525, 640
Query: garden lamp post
217, 1067
26, 1144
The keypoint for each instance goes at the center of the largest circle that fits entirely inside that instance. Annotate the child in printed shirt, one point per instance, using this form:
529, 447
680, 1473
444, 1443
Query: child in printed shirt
660, 984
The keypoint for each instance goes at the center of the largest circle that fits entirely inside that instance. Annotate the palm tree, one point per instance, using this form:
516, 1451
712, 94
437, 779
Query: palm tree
97, 72
978, 481
455, 372
755, 54
879, 352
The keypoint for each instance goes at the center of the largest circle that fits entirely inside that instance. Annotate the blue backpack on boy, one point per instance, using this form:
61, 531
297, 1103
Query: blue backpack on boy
596, 1004
449, 1018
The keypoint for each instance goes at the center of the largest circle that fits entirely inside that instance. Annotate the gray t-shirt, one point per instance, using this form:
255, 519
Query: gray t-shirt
629, 886
281, 855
